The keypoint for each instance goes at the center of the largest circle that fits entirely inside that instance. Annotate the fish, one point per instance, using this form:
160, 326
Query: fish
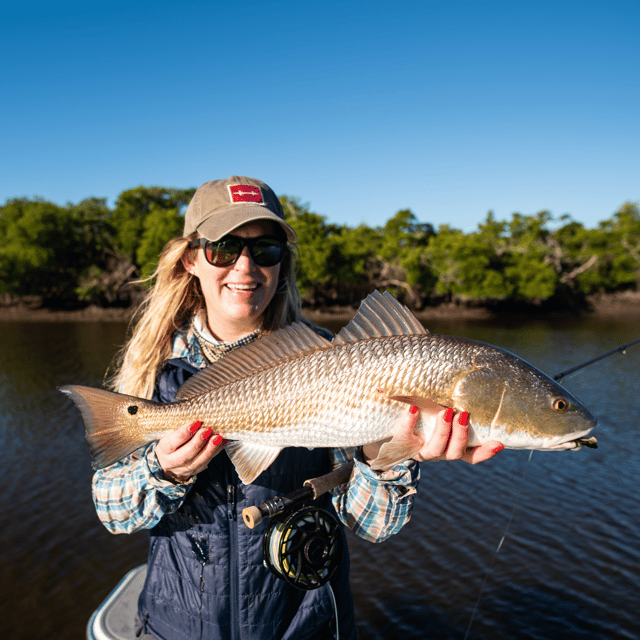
294, 388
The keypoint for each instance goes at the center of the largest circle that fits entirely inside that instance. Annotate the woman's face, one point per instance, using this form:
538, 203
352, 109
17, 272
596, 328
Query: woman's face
236, 297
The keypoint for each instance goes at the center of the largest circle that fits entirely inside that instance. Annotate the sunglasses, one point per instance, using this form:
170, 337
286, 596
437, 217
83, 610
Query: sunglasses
265, 251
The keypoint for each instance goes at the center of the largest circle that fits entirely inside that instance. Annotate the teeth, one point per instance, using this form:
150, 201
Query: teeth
242, 287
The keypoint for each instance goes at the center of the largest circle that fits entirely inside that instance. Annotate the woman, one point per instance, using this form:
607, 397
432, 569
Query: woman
226, 280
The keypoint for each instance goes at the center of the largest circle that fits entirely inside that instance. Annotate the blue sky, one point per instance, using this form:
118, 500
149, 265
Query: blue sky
450, 108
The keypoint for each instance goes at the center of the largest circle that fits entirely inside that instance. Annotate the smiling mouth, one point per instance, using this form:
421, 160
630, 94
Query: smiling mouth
243, 287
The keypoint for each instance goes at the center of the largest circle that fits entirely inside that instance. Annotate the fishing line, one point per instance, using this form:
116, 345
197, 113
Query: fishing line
623, 349
302, 545
303, 548
504, 535
335, 610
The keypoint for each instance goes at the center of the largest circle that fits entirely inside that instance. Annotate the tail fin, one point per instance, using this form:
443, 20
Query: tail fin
110, 423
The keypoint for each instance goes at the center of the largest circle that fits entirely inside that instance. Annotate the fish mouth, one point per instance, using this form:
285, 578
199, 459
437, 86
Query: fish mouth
575, 443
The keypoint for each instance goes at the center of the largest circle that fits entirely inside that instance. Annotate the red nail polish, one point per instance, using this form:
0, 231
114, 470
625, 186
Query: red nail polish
217, 440
500, 448
413, 409
464, 419
448, 415
195, 426
207, 434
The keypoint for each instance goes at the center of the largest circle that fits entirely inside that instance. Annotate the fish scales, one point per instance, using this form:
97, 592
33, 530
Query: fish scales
343, 383
264, 406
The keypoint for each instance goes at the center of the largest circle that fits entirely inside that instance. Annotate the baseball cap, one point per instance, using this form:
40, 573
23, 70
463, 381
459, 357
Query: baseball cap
220, 206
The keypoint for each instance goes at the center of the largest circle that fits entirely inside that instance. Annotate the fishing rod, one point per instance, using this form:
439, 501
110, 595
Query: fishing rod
302, 544
622, 348
313, 488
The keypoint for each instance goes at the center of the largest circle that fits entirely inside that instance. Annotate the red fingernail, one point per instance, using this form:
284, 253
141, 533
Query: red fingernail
464, 418
448, 415
413, 409
500, 448
195, 426
217, 440
207, 433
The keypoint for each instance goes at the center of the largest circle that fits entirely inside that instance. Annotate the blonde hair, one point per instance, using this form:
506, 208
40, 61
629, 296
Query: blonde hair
173, 300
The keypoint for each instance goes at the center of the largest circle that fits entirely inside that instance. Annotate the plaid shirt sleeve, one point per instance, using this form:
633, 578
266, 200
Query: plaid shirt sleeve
375, 505
131, 494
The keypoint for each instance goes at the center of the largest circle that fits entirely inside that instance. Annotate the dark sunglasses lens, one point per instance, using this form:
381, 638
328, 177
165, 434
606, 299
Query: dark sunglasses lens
267, 252
222, 253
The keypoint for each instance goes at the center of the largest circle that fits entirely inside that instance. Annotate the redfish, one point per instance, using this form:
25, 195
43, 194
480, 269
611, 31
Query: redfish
294, 388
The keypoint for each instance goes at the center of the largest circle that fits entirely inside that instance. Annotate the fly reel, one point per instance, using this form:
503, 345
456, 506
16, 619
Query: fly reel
303, 547
302, 544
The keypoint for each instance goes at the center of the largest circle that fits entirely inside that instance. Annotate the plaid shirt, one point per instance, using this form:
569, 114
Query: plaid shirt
132, 494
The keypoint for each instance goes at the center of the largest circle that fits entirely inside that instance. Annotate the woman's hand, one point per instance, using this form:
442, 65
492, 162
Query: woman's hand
187, 451
449, 440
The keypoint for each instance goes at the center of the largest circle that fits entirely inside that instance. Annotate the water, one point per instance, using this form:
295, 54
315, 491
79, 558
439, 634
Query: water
569, 566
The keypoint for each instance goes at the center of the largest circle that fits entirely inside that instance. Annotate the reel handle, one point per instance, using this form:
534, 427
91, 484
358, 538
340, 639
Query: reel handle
312, 488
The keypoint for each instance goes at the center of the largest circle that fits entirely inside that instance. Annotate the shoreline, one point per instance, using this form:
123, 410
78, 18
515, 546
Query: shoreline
623, 306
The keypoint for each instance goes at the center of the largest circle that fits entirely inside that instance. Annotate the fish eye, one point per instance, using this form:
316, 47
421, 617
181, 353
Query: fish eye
132, 409
560, 405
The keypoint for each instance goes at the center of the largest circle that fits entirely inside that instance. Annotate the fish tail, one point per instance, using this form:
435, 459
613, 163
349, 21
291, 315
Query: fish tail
110, 422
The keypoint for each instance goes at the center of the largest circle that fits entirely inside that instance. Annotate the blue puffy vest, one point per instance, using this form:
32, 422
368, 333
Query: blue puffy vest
206, 577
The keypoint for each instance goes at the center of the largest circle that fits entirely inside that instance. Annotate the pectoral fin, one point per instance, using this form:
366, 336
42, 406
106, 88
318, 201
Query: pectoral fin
250, 460
396, 450
424, 404
405, 445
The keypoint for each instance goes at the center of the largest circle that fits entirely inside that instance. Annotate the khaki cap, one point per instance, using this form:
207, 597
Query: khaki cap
220, 206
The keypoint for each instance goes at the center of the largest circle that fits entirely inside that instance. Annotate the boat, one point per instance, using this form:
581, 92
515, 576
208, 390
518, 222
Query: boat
114, 618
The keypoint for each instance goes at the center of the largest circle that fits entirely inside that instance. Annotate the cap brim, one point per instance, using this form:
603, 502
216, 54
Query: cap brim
221, 224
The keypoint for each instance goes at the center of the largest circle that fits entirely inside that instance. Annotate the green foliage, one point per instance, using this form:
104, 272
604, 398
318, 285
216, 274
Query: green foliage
87, 252
529, 277
314, 247
332, 260
403, 241
47, 246
133, 208
159, 226
467, 266
527, 258
620, 263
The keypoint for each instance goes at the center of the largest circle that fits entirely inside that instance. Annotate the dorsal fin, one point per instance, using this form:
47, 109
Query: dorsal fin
274, 348
380, 314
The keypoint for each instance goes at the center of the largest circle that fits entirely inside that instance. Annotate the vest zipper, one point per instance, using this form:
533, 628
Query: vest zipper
234, 579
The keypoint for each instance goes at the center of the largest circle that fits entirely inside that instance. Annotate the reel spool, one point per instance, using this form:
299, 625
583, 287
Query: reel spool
303, 548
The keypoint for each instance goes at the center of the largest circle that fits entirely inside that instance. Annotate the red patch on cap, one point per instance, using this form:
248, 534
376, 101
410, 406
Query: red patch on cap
246, 193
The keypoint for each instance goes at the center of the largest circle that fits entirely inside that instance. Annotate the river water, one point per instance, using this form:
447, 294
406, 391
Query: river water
568, 565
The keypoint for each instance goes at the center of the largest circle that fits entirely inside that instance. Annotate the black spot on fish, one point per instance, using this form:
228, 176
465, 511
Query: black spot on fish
132, 409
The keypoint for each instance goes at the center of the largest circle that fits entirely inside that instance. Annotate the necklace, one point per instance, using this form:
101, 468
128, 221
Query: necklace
213, 351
